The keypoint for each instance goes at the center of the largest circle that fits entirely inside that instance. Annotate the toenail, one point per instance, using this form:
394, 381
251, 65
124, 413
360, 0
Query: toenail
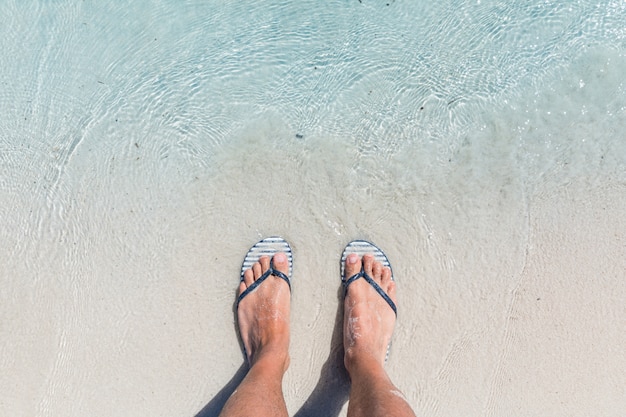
352, 258
280, 258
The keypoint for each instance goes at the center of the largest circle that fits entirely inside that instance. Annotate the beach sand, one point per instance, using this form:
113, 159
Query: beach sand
141, 155
507, 305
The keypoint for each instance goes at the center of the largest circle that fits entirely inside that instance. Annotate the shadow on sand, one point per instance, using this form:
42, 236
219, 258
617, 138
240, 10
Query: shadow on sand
333, 388
214, 407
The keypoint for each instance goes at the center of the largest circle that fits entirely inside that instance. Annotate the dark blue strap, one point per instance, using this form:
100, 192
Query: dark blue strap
270, 271
373, 283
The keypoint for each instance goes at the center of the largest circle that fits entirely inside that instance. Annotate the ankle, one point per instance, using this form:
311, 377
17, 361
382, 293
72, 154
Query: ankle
360, 361
271, 360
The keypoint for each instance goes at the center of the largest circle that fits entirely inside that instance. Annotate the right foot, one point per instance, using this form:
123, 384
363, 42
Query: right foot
263, 314
368, 319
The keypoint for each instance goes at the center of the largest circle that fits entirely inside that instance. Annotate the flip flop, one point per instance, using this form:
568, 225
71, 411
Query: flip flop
266, 247
363, 247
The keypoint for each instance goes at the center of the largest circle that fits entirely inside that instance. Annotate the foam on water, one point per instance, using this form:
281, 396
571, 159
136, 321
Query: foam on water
143, 146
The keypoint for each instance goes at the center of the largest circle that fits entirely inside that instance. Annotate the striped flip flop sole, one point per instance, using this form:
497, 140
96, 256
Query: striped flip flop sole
363, 247
267, 247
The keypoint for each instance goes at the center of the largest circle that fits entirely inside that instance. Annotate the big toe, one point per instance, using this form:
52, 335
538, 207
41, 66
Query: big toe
281, 263
352, 266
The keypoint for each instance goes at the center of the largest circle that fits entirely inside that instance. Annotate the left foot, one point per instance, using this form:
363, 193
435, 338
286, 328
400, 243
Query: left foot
263, 314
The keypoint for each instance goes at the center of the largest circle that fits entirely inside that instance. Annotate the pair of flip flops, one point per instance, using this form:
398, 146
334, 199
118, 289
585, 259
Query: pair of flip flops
272, 245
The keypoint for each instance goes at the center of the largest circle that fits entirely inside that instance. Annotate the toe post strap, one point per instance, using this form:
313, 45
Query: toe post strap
259, 281
373, 283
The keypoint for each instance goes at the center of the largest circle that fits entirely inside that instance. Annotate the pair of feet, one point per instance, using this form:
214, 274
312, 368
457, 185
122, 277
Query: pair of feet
263, 314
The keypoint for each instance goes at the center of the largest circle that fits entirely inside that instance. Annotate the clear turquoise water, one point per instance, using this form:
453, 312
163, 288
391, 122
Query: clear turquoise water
137, 139
387, 77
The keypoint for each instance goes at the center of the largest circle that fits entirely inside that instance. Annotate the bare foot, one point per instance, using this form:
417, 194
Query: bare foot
368, 319
263, 314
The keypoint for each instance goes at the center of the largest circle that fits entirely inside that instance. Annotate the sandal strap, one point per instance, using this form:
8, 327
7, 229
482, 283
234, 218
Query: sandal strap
373, 283
255, 284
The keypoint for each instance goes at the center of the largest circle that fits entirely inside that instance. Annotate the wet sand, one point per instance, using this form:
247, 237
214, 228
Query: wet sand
506, 305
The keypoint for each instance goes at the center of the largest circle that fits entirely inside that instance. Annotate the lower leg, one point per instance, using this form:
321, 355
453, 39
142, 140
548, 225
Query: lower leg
260, 393
368, 326
372, 393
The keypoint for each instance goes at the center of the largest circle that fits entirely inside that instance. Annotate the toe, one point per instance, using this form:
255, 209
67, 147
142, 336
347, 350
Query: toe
385, 275
368, 264
352, 266
281, 263
257, 269
265, 263
248, 277
377, 272
387, 283
391, 291
242, 288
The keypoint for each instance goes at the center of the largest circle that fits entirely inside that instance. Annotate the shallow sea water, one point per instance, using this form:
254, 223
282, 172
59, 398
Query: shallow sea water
144, 148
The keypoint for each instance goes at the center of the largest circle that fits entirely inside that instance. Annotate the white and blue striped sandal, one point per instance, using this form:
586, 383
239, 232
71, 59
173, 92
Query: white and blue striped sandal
363, 247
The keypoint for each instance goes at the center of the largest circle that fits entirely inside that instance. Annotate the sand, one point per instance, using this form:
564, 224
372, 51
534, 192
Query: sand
506, 306
142, 155
535, 331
